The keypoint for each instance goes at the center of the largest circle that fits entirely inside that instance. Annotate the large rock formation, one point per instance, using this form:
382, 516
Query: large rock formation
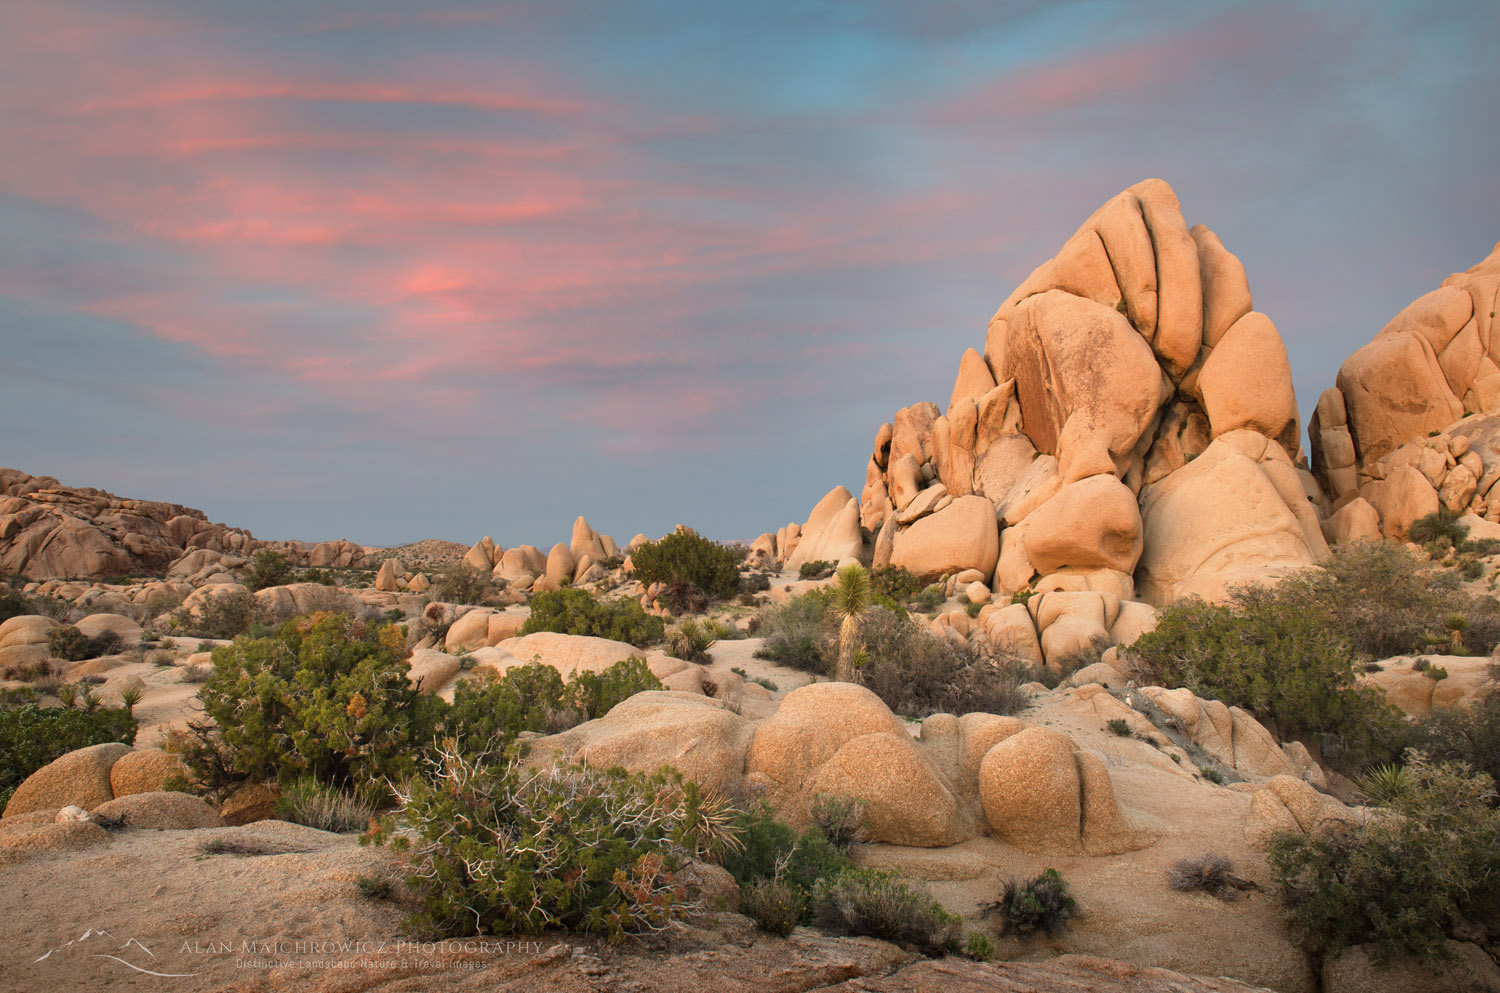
1129, 426
1410, 425
48, 530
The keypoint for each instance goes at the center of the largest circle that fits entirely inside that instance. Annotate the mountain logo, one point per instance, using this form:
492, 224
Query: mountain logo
100, 939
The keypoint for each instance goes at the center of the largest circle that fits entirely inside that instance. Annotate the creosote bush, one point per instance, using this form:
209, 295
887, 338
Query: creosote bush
502, 850
1407, 880
577, 612
685, 557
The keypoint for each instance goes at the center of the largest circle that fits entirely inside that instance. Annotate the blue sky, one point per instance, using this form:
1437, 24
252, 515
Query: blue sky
349, 269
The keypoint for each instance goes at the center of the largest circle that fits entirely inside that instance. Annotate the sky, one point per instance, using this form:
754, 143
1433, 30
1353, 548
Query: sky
389, 271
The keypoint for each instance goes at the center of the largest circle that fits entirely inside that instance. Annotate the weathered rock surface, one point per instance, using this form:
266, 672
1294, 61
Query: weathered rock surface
48, 530
1104, 377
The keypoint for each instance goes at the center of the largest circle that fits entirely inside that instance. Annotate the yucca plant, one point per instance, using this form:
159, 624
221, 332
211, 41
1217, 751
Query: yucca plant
1385, 784
129, 697
851, 598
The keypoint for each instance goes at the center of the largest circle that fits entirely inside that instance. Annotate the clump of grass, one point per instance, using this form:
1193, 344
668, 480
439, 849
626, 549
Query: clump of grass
1119, 726
1208, 873
314, 805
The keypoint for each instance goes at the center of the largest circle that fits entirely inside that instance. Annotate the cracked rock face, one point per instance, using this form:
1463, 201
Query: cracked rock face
1066, 457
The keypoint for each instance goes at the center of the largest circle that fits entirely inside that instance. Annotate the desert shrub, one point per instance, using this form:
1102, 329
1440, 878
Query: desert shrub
501, 850
1384, 599
461, 583
798, 633
929, 599
820, 569
1119, 726
896, 582
771, 851
576, 612
325, 698
322, 577
1441, 523
1469, 736
1207, 873
1038, 904
774, 906
13, 604
841, 819
488, 714
979, 946
1404, 882
918, 673
881, 905
680, 598
32, 736
67, 642
326, 808
226, 615
754, 582
1284, 663
685, 557
267, 568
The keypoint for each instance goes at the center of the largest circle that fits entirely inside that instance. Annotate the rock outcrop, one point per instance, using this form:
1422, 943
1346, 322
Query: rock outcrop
1410, 424
48, 530
1130, 426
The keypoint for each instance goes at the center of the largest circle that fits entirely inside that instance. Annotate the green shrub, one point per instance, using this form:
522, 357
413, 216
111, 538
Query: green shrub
267, 568
881, 905
1286, 664
930, 599
325, 698
684, 557
1119, 726
979, 946
32, 736
754, 582
896, 582
326, 808
771, 850
460, 583
691, 639
13, 604
488, 714
67, 642
576, 612
226, 615
918, 673
799, 633
1406, 881
1441, 523
820, 569
1469, 736
1039, 904
774, 906
320, 576
499, 850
